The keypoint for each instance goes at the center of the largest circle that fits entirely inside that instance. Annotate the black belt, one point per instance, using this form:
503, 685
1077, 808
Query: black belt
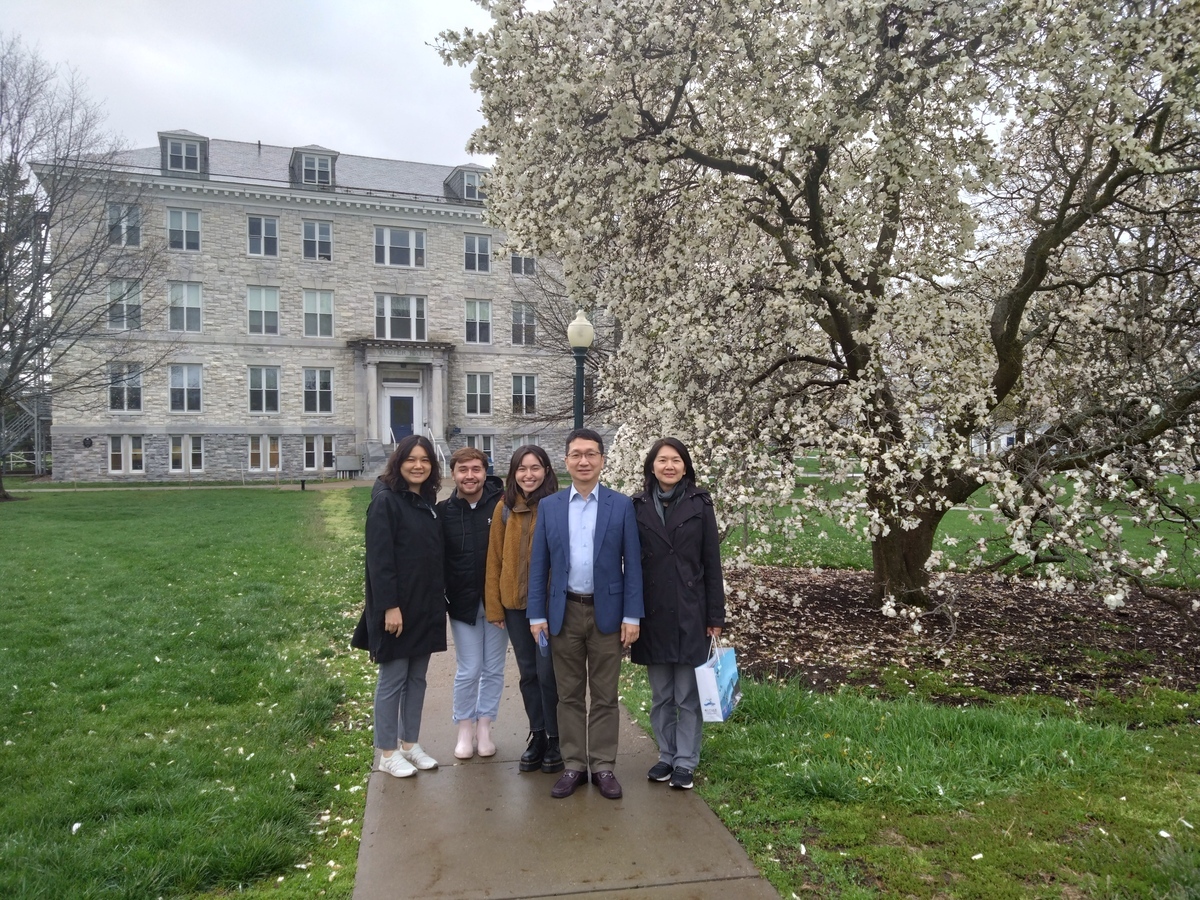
585, 599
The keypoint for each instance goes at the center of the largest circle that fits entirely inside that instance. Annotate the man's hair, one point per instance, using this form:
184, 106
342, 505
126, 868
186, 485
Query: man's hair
585, 434
465, 454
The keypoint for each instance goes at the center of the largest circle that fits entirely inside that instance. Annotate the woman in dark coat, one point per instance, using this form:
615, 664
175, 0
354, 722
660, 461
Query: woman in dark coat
405, 617
685, 603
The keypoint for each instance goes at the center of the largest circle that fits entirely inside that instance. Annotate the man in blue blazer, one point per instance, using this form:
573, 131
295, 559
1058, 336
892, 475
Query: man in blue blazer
585, 589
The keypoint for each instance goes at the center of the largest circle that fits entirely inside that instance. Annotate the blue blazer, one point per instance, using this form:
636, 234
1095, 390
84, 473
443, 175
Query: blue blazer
616, 569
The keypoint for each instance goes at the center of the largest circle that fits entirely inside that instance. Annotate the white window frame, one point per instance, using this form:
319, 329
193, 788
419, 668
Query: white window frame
263, 382
125, 382
320, 452
129, 453
473, 186
392, 245
263, 453
479, 387
525, 266
263, 301
322, 321
183, 452
478, 322
316, 169
124, 304
318, 386
477, 252
524, 324
390, 319
524, 402
188, 161
124, 225
178, 221
180, 378
267, 237
520, 440
485, 443
185, 307
321, 233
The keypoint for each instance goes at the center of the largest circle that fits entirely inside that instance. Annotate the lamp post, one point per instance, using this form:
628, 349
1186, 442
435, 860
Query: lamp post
580, 334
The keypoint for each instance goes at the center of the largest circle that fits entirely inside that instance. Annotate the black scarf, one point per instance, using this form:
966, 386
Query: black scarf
662, 499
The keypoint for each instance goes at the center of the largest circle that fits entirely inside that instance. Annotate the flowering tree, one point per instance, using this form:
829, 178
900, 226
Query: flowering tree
879, 233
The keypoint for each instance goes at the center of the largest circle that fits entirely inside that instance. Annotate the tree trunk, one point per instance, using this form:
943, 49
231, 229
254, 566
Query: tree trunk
899, 559
4, 495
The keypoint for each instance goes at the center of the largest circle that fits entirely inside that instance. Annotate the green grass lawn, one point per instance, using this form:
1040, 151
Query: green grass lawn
179, 712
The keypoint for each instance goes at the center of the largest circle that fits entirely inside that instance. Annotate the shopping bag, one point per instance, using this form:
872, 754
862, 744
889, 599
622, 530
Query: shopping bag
720, 688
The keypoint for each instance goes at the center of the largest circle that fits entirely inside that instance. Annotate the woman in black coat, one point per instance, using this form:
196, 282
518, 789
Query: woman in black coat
685, 603
405, 617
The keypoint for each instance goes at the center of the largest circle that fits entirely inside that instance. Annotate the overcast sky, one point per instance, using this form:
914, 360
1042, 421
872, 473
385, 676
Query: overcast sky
357, 76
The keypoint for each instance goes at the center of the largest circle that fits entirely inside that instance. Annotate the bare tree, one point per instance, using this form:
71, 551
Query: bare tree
73, 254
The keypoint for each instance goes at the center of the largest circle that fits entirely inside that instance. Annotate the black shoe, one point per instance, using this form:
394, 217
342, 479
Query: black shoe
660, 771
531, 759
567, 782
681, 778
552, 761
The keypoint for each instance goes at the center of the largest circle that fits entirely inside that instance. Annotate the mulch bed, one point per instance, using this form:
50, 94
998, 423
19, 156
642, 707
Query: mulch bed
821, 627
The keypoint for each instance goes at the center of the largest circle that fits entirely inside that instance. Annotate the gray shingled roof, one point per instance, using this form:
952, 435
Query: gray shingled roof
245, 162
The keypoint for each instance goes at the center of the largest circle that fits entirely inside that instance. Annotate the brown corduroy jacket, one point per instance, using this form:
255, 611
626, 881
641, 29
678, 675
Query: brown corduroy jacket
507, 584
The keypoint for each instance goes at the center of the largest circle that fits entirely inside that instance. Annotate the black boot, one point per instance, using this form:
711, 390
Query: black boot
531, 759
552, 761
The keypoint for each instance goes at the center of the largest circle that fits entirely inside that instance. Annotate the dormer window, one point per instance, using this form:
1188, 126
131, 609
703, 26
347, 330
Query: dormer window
473, 186
317, 169
183, 156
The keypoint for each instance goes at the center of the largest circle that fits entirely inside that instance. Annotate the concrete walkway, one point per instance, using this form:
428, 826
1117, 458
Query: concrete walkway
482, 829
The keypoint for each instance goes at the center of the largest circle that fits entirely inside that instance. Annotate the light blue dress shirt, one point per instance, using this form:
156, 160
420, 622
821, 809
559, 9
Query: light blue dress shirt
581, 534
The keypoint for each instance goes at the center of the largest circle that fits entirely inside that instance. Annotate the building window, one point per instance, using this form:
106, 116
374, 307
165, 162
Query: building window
183, 229
399, 247
124, 305
183, 156
485, 443
125, 454
263, 236
125, 387
318, 390
473, 186
186, 388
524, 324
479, 321
262, 306
317, 169
399, 318
187, 453
479, 394
318, 313
264, 389
524, 395
478, 252
264, 453
522, 440
523, 265
183, 306
318, 240
124, 225
318, 452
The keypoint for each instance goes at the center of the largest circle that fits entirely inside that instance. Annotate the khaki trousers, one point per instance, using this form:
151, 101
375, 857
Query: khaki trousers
587, 662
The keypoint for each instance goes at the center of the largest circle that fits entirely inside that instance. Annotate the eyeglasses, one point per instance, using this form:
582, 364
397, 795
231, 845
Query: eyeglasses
589, 455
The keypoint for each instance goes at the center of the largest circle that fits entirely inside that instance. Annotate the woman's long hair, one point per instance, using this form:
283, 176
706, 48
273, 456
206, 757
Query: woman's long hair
391, 472
548, 486
689, 473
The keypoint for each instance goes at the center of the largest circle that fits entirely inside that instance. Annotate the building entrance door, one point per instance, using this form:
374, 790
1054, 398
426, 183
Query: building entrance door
402, 412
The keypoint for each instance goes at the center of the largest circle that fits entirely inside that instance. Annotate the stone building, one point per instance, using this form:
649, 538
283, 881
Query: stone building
316, 306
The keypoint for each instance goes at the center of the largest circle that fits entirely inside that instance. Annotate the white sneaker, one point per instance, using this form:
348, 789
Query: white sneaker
418, 757
397, 765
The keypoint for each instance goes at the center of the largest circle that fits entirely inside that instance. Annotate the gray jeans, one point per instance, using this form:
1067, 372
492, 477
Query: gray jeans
399, 700
675, 714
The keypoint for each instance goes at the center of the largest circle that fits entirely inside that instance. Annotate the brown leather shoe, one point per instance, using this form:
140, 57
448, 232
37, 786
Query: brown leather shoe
567, 782
610, 788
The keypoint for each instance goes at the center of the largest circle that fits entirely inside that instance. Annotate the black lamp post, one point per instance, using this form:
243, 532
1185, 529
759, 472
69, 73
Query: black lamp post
580, 335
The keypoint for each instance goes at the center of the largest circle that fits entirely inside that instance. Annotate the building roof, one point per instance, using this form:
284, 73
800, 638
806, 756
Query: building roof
267, 164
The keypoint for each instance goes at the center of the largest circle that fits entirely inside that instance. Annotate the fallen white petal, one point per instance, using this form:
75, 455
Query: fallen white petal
76, 827
977, 856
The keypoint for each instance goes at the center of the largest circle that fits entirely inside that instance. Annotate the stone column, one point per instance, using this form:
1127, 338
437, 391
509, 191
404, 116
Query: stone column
372, 401
437, 401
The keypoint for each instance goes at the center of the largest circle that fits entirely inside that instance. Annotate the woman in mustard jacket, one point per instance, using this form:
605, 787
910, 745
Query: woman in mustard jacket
530, 478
